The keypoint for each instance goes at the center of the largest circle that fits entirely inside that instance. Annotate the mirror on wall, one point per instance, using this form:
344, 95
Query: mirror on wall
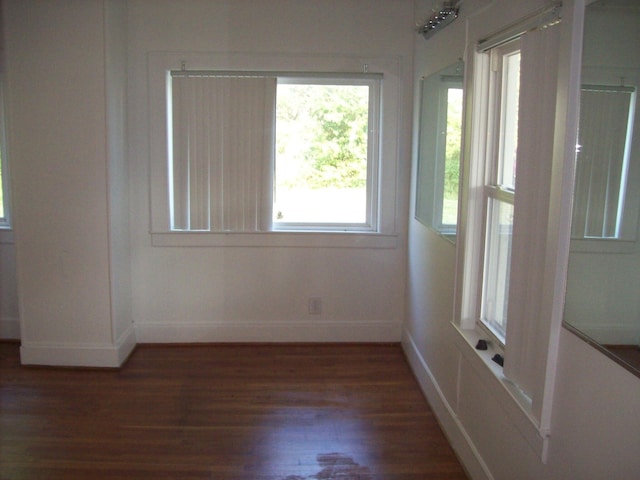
603, 285
439, 147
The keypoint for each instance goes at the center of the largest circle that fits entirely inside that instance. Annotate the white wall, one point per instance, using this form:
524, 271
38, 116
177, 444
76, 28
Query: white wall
9, 313
261, 293
595, 433
57, 97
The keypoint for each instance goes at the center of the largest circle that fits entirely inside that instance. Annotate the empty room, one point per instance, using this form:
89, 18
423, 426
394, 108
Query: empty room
319, 239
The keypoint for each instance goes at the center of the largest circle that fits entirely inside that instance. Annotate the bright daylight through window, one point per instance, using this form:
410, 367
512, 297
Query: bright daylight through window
500, 190
255, 152
439, 145
322, 156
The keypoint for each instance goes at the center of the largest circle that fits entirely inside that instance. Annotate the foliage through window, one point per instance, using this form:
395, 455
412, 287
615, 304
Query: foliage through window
438, 174
322, 153
254, 152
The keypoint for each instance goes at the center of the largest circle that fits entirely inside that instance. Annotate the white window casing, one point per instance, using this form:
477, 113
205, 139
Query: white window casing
182, 188
538, 254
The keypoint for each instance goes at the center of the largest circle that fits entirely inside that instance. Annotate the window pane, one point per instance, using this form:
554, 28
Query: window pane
509, 122
452, 156
321, 153
497, 266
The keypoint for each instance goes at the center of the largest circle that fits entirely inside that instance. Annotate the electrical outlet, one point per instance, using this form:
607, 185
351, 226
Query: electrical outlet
315, 305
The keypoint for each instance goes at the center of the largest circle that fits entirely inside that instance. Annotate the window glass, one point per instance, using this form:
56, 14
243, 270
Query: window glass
252, 152
500, 188
603, 163
321, 160
453, 139
509, 122
497, 266
438, 172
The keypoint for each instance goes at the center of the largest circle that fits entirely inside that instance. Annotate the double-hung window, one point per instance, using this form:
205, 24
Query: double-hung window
500, 185
508, 288
258, 152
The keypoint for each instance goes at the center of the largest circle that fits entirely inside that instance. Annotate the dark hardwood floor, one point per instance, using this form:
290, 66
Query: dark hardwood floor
271, 412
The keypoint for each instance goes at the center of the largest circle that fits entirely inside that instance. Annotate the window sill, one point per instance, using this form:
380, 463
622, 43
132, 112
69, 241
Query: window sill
515, 404
601, 245
275, 239
6, 236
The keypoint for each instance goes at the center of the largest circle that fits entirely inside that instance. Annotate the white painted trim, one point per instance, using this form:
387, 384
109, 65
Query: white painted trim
275, 239
515, 405
9, 328
159, 63
455, 432
79, 355
126, 343
277, 332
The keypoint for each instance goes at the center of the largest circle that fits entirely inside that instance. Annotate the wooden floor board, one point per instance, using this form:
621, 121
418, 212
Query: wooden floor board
227, 412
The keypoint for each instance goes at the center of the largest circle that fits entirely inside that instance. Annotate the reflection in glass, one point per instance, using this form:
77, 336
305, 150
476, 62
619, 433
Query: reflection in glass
606, 132
439, 150
602, 299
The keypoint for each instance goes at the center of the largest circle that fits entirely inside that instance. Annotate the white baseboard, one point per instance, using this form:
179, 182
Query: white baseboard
79, 355
458, 438
275, 332
9, 328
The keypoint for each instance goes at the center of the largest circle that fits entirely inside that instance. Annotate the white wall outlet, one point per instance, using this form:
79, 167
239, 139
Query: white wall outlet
315, 305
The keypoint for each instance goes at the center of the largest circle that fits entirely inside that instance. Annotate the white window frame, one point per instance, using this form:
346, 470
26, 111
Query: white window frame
384, 184
374, 82
496, 190
524, 385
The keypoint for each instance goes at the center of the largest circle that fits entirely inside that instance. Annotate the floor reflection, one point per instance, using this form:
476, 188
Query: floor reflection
337, 466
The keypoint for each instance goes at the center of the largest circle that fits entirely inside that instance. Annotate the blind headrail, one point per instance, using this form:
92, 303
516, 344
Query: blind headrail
547, 16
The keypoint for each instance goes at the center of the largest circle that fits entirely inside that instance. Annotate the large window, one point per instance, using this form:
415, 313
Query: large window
499, 190
251, 152
508, 288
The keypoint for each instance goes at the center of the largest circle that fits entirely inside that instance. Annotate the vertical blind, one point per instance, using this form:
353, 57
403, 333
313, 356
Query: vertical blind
602, 162
221, 149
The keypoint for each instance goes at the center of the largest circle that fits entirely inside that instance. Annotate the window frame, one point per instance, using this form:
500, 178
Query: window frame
524, 385
374, 83
384, 236
497, 190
